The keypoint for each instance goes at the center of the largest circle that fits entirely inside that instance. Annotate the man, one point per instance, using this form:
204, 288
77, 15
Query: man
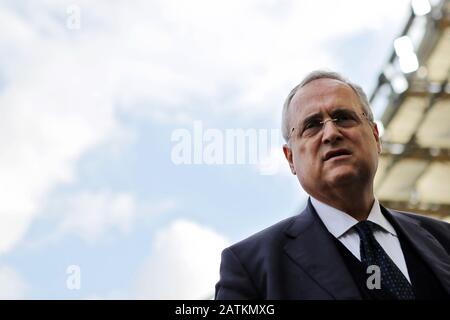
344, 245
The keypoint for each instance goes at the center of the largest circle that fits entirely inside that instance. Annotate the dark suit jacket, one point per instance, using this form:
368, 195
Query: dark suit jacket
297, 259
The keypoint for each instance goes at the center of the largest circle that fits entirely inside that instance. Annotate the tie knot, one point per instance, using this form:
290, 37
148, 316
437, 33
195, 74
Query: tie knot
365, 228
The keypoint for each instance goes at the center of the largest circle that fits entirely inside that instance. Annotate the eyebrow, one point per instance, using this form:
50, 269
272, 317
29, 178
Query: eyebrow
319, 114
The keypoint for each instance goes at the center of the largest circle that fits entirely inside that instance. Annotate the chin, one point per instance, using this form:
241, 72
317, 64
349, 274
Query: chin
344, 177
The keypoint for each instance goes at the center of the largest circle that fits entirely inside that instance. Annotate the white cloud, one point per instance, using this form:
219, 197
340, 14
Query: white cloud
184, 263
12, 286
41, 140
60, 89
92, 215
55, 107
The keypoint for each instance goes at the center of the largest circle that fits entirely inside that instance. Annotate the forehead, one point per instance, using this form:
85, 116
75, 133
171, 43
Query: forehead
323, 95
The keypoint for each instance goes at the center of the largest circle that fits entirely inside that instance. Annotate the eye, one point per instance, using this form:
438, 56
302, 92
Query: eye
311, 124
344, 117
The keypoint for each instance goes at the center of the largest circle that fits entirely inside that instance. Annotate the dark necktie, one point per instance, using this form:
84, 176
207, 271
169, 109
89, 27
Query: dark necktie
392, 279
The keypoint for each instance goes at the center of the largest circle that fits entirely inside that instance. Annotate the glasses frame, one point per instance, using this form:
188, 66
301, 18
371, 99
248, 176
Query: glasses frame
363, 114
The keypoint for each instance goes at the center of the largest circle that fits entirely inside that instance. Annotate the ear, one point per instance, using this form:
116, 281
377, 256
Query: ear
288, 154
376, 134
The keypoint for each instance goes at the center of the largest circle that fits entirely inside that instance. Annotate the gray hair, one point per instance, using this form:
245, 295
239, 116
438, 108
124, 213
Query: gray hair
320, 74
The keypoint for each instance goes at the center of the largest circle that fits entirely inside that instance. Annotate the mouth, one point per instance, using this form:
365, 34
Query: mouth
341, 153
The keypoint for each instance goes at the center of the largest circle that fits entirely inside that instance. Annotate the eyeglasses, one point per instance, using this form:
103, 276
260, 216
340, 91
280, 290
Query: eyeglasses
342, 118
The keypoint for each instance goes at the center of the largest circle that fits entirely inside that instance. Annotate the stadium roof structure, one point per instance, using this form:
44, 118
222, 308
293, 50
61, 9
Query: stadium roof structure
412, 101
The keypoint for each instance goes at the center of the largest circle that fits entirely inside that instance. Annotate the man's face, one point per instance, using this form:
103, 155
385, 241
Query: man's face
334, 156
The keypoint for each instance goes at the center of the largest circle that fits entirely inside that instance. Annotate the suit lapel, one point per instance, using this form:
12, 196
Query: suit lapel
313, 249
426, 245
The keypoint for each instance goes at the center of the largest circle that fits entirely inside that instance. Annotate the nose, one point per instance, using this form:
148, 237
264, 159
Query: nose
330, 132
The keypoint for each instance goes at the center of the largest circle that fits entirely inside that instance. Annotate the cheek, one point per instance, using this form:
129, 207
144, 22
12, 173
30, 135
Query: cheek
306, 160
370, 147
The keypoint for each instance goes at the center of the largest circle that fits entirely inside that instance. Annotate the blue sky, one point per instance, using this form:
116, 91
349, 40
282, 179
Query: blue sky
91, 94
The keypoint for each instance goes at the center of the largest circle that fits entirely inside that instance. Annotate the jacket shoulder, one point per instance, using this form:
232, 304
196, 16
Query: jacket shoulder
422, 219
438, 228
244, 263
270, 237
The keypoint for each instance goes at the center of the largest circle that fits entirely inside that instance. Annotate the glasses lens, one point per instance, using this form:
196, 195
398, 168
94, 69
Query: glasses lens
346, 119
342, 118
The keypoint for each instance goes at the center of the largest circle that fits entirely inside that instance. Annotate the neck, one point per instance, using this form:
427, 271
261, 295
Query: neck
356, 203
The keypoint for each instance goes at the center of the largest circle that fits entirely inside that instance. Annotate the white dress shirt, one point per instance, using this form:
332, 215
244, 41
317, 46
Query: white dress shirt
340, 224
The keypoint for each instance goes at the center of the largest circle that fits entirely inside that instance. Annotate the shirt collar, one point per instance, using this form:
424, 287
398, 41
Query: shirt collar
338, 222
